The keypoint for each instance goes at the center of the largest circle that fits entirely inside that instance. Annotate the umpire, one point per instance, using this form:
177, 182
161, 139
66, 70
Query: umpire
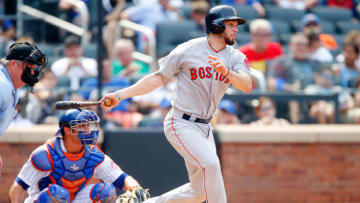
23, 65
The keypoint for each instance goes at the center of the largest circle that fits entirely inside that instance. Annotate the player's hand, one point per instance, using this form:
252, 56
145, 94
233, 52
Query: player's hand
130, 184
110, 100
217, 64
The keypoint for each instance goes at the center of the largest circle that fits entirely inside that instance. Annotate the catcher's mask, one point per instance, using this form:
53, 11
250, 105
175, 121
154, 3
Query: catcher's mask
83, 123
31, 54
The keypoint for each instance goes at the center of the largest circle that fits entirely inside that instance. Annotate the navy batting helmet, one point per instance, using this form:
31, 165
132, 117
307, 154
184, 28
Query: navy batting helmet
214, 20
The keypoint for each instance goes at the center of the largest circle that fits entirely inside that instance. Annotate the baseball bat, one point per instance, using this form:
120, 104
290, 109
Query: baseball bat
63, 105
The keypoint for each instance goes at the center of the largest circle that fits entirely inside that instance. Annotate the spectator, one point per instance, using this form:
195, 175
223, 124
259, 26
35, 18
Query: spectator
347, 71
226, 113
72, 13
353, 37
317, 51
322, 111
144, 15
351, 111
7, 33
310, 23
110, 82
261, 49
40, 104
113, 9
266, 112
293, 72
74, 65
256, 4
123, 63
156, 118
296, 4
199, 10
346, 4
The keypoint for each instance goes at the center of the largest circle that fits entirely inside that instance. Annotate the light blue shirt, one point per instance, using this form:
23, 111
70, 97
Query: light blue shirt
8, 100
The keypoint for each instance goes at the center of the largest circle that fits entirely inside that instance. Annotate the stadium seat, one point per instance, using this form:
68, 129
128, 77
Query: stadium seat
186, 12
282, 14
267, 2
346, 26
63, 82
243, 38
90, 51
49, 49
280, 27
246, 12
170, 34
328, 27
332, 14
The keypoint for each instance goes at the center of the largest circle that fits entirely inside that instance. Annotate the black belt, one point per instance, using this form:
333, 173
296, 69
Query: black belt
197, 120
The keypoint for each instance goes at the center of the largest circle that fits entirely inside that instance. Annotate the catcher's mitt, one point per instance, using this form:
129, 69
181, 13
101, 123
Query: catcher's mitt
137, 195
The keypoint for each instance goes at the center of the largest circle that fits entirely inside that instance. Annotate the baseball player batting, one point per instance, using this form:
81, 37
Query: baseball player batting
61, 170
204, 68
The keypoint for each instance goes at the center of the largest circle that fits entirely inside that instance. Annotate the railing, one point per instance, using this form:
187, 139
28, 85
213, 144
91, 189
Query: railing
75, 29
285, 96
149, 59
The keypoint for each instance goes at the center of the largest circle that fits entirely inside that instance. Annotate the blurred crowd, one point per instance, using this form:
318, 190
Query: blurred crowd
309, 59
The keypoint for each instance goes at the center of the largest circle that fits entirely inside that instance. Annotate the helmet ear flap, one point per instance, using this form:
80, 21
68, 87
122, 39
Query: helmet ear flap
217, 27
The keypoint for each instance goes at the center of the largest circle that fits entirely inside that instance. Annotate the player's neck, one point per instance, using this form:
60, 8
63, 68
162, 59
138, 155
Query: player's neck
72, 146
216, 42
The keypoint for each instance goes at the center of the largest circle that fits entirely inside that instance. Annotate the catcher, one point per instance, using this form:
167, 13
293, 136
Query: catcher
64, 168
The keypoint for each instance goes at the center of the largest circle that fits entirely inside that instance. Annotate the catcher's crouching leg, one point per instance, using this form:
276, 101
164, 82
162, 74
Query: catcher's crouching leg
103, 192
54, 193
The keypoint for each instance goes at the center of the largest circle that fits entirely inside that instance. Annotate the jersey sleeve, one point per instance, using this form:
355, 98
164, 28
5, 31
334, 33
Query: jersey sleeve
29, 175
170, 64
108, 170
240, 62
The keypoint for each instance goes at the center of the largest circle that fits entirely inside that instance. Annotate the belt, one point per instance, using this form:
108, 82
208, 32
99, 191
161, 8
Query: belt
197, 120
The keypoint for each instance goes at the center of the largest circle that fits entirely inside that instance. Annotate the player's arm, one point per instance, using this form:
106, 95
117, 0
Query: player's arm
17, 194
108, 171
143, 86
240, 78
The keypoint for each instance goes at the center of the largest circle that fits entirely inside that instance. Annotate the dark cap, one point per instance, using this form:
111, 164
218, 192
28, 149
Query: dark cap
72, 40
26, 52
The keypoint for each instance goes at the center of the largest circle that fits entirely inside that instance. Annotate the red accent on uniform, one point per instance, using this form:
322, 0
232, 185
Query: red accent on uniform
222, 77
201, 73
208, 72
247, 63
227, 81
193, 73
202, 168
273, 50
217, 75
213, 48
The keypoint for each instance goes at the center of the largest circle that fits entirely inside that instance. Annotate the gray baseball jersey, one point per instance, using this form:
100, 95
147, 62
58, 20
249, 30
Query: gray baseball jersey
199, 88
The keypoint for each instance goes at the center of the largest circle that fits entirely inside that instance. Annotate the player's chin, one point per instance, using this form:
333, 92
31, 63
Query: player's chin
230, 41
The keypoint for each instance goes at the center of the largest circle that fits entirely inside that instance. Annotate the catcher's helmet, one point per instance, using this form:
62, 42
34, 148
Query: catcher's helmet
214, 20
85, 122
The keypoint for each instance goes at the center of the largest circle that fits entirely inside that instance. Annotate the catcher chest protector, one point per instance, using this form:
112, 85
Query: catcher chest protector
214, 20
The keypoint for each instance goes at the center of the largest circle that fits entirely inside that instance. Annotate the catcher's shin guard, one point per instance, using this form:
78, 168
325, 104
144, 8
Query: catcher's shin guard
54, 193
103, 192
